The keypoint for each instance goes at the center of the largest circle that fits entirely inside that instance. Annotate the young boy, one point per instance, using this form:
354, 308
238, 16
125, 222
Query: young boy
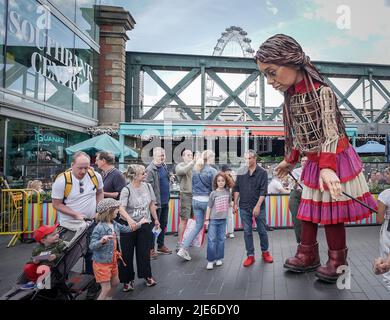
48, 251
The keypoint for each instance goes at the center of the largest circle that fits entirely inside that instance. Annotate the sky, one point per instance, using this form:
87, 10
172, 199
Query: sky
193, 27
328, 30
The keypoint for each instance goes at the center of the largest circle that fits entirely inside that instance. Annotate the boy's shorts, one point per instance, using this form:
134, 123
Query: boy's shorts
185, 205
105, 271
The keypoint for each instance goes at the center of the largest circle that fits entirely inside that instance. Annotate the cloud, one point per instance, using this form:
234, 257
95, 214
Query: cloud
336, 41
272, 8
368, 18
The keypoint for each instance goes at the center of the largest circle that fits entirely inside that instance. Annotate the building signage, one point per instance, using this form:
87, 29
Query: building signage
47, 138
53, 61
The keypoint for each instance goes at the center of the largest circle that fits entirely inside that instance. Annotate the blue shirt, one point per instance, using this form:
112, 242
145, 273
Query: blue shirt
164, 185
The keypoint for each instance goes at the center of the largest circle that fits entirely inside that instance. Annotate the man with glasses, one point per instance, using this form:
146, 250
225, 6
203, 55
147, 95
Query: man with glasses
83, 197
80, 203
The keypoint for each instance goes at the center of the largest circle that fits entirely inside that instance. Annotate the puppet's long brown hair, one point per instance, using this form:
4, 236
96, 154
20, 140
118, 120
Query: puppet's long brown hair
281, 49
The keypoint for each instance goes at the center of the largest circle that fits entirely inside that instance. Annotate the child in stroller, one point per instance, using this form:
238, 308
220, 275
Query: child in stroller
64, 283
47, 253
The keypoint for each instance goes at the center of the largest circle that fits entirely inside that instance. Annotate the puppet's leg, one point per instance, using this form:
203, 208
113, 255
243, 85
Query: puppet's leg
335, 236
307, 257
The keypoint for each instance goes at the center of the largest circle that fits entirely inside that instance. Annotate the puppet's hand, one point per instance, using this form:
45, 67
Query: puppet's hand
332, 181
283, 169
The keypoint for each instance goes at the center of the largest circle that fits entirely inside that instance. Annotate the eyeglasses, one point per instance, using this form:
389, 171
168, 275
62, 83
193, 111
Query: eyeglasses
81, 184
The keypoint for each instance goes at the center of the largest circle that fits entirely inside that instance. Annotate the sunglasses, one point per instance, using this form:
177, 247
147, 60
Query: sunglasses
81, 184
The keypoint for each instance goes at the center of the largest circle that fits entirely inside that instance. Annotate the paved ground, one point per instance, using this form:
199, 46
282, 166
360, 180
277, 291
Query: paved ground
178, 279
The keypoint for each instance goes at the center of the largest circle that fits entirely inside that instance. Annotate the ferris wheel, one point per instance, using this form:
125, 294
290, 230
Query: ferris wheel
238, 36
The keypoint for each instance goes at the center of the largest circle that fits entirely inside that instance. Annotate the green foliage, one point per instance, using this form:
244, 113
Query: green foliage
45, 197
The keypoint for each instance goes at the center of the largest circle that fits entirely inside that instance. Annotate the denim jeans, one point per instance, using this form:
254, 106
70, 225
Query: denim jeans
246, 218
163, 218
199, 209
216, 240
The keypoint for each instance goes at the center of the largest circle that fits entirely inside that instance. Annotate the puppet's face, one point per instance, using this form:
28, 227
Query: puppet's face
280, 77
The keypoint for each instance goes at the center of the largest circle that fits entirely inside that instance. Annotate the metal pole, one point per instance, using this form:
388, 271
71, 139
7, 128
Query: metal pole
262, 97
371, 99
246, 140
203, 92
5, 147
122, 157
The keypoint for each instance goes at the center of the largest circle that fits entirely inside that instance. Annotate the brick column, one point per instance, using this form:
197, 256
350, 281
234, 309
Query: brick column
113, 23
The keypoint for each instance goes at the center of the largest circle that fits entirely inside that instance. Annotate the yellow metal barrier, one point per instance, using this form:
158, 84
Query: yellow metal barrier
14, 210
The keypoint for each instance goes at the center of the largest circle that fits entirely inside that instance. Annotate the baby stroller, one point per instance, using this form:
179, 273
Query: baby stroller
64, 283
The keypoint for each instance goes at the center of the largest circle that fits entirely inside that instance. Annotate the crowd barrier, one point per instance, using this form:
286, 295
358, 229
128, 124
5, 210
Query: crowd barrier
14, 212
277, 215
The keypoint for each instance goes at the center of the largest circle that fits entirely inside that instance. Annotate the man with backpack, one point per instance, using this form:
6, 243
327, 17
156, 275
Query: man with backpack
75, 194
77, 191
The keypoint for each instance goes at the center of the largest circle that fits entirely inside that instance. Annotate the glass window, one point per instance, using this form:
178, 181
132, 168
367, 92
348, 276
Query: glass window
85, 17
2, 40
22, 150
60, 83
86, 94
67, 8
36, 151
26, 38
51, 144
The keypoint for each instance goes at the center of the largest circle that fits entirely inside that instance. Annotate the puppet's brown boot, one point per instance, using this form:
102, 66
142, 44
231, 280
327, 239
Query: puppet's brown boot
328, 272
306, 259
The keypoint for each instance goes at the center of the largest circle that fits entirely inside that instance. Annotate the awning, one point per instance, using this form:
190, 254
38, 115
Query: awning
102, 142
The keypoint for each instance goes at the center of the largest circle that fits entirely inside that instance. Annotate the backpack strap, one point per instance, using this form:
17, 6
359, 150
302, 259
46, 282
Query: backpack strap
94, 179
68, 183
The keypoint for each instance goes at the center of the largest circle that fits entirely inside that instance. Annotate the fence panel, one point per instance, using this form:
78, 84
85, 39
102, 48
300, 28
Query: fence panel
14, 212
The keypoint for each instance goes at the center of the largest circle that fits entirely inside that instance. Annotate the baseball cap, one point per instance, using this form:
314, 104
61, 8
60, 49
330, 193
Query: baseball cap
43, 231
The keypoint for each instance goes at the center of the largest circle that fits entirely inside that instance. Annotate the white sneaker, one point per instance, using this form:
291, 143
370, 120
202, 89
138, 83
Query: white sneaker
231, 235
183, 253
219, 263
210, 265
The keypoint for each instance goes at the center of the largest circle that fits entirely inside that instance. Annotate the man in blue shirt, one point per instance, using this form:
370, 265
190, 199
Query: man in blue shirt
159, 177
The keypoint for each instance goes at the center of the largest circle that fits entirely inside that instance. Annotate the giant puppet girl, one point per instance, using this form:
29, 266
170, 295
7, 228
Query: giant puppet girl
314, 125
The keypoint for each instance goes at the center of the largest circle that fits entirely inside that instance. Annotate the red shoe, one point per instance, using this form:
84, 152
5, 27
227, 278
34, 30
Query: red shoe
249, 261
267, 257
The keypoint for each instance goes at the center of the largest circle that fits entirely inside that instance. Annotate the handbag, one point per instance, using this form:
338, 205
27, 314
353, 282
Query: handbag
199, 239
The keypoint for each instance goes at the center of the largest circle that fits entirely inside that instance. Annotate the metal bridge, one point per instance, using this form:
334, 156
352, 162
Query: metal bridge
369, 116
